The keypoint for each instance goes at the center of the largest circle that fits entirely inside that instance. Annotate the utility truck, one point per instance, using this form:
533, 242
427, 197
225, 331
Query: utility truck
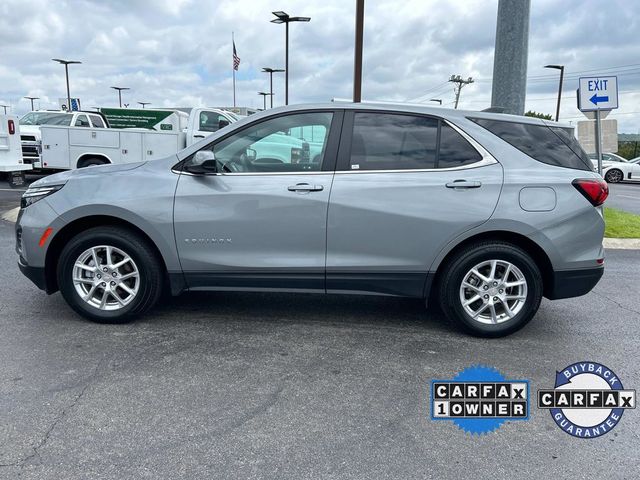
11, 161
31, 123
147, 135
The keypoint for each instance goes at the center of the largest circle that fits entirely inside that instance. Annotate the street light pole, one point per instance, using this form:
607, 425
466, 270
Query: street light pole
271, 71
120, 89
32, 99
5, 108
264, 98
561, 68
66, 64
144, 103
282, 17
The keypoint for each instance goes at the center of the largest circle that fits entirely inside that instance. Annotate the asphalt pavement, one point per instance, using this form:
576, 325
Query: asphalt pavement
624, 196
294, 386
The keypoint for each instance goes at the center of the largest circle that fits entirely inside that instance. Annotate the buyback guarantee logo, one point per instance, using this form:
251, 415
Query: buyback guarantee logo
588, 400
479, 399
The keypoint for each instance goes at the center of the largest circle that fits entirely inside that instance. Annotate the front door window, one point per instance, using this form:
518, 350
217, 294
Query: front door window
292, 143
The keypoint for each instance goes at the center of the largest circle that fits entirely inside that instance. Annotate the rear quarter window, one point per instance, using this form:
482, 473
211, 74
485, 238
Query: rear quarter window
551, 145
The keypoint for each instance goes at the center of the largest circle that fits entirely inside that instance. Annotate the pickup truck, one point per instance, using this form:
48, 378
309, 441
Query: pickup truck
31, 123
65, 147
10, 151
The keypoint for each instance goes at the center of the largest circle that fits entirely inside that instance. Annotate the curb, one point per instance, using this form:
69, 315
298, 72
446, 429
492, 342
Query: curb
622, 243
612, 243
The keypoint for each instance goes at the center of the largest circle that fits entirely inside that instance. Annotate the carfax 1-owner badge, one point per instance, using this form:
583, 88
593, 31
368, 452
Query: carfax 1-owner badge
479, 399
587, 400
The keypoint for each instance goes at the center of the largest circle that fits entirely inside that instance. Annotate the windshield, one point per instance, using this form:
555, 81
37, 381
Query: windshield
46, 118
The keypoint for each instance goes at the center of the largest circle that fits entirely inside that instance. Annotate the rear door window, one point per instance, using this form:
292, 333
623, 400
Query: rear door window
551, 145
393, 142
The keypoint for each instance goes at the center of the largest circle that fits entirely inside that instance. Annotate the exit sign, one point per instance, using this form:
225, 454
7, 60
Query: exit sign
598, 93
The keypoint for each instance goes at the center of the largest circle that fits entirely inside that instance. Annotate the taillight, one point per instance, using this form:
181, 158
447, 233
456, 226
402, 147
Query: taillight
12, 127
594, 190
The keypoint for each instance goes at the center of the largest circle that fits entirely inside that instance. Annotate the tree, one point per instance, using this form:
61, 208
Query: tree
544, 116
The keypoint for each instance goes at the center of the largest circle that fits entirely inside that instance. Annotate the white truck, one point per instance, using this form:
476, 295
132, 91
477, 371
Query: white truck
68, 147
10, 149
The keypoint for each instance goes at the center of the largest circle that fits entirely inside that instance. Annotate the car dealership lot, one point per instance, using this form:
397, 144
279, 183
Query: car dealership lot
232, 385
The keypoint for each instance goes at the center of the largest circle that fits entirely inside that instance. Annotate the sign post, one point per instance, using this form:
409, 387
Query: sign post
597, 94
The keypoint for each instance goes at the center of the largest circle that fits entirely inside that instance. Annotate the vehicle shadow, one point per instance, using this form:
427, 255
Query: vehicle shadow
303, 308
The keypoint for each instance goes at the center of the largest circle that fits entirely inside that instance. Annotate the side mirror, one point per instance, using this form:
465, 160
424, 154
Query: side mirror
222, 123
202, 163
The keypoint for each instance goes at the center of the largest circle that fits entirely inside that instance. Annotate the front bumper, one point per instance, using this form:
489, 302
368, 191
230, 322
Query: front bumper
573, 283
35, 274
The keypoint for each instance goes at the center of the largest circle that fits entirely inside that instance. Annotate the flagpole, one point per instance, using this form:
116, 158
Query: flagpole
233, 69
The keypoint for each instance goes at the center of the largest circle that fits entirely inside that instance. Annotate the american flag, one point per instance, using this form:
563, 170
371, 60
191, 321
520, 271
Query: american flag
236, 58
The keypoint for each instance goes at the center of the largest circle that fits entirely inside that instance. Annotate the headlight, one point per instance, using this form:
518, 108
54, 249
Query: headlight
33, 194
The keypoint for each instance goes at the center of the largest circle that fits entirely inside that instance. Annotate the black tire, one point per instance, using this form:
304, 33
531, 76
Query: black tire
455, 270
614, 176
89, 162
144, 256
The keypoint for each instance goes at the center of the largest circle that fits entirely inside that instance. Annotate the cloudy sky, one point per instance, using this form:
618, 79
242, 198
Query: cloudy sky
178, 52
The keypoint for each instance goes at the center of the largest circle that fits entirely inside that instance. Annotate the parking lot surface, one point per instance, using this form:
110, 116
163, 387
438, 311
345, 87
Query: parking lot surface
237, 385
624, 196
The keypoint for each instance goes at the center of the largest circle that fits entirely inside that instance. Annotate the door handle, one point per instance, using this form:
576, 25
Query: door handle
463, 184
198, 136
305, 187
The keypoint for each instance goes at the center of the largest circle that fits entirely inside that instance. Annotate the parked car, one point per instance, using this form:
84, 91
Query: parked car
627, 171
481, 213
607, 157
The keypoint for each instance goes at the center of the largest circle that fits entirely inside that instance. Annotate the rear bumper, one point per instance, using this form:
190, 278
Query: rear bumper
35, 274
573, 283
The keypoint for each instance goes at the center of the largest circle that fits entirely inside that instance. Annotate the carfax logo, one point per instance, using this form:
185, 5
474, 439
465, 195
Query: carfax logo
479, 399
587, 401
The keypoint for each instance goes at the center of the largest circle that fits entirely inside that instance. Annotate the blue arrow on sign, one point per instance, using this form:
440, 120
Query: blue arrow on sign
596, 99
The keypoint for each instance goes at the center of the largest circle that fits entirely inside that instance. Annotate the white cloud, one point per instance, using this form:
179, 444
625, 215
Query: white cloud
178, 52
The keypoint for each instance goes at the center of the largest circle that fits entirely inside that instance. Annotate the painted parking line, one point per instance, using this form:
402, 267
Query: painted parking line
11, 215
629, 196
11, 190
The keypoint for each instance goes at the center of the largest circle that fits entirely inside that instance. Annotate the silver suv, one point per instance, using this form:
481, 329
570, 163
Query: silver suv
481, 213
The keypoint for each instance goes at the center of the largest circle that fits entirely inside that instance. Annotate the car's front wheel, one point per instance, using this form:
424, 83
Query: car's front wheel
491, 289
109, 274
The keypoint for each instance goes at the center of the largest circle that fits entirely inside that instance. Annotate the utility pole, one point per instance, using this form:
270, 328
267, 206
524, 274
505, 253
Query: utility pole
357, 62
510, 59
459, 82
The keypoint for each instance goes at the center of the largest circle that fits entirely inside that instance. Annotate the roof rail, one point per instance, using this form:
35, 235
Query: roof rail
385, 102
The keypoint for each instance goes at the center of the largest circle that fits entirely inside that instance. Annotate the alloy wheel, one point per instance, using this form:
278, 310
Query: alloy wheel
106, 277
493, 291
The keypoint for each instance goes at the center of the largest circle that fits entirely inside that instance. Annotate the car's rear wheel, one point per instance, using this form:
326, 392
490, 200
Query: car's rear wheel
109, 274
614, 176
491, 289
